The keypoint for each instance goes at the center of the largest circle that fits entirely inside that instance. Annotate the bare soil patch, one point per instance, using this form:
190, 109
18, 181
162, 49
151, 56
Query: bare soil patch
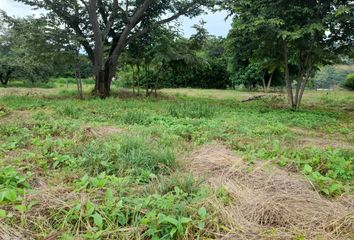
16, 116
268, 202
325, 143
100, 132
320, 140
27, 91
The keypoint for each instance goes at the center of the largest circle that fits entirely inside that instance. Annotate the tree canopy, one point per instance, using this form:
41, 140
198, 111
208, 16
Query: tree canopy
105, 28
298, 36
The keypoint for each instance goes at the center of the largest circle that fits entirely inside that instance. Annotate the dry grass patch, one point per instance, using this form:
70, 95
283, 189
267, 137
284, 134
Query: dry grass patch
27, 91
10, 233
320, 140
268, 202
48, 200
100, 132
325, 143
16, 116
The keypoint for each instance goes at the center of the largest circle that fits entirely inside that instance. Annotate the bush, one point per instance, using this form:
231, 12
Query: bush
350, 82
211, 74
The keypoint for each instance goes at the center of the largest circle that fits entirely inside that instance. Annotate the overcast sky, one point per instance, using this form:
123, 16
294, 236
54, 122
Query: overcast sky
216, 24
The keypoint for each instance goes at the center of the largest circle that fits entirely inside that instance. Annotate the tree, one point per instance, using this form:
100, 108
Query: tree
307, 34
6, 66
105, 27
172, 61
25, 50
199, 39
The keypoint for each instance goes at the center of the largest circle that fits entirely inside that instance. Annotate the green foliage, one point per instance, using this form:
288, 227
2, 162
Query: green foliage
12, 185
331, 171
350, 82
191, 110
293, 40
329, 77
249, 76
25, 52
172, 61
136, 117
135, 155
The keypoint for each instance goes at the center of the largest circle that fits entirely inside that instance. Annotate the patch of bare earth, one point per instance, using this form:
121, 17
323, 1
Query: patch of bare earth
26, 91
320, 140
100, 132
268, 202
325, 143
16, 116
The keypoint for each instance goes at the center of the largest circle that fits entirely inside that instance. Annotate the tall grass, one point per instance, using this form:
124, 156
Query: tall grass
127, 155
191, 110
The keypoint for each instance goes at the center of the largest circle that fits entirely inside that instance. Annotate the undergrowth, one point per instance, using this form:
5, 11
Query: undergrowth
131, 185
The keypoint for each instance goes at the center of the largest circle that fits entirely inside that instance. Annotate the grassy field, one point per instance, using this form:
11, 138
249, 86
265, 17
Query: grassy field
192, 164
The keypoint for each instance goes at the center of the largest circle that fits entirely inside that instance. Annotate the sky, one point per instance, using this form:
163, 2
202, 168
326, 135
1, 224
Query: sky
216, 23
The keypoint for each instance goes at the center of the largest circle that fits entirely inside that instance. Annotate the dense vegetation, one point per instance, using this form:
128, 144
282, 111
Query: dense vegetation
350, 81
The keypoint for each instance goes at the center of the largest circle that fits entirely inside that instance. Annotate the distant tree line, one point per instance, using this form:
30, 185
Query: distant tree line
163, 59
31, 50
271, 43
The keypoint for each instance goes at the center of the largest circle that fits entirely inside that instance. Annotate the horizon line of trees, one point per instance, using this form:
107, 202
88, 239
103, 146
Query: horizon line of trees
270, 44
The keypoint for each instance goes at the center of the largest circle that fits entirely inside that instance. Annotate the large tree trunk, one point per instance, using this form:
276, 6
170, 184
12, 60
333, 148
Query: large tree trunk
104, 80
4, 78
4, 82
103, 84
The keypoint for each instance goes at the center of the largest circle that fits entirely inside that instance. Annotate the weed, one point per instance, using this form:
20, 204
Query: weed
136, 117
12, 184
191, 110
134, 155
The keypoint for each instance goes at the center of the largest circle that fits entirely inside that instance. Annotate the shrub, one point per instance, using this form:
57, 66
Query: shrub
350, 82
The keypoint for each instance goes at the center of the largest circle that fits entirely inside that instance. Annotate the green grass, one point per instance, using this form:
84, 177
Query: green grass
136, 156
132, 185
27, 84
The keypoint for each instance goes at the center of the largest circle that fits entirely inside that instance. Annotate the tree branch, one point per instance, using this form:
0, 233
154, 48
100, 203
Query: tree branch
161, 22
133, 21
